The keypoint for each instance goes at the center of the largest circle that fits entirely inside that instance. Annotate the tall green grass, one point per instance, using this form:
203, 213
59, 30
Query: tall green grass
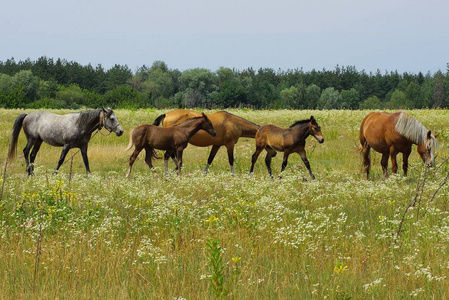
246, 237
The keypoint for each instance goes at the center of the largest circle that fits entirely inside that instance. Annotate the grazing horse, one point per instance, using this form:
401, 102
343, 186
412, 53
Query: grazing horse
229, 129
390, 134
73, 130
173, 140
287, 140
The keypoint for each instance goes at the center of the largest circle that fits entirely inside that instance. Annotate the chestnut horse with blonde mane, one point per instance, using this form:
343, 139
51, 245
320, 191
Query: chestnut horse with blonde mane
229, 129
288, 140
393, 133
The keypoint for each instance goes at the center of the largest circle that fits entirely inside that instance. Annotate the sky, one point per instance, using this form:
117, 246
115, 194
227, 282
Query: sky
389, 35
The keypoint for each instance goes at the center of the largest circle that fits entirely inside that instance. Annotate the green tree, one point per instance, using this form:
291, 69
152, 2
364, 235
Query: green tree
372, 102
29, 84
330, 99
117, 75
399, 100
12, 96
123, 96
230, 89
47, 89
312, 95
439, 91
413, 94
350, 98
72, 96
158, 85
197, 86
291, 97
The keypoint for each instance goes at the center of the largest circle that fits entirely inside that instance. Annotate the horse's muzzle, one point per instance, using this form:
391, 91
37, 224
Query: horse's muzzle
320, 139
119, 131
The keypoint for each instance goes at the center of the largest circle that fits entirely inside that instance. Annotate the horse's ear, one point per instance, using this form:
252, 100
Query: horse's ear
312, 119
429, 134
436, 135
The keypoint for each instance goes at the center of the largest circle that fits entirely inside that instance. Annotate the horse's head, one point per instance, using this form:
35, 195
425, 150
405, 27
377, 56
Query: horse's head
110, 121
427, 148
207, 126
315, 130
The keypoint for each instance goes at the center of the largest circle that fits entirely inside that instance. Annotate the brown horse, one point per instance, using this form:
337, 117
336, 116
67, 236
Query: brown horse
172, 139
391, 134
229, 129
287, 140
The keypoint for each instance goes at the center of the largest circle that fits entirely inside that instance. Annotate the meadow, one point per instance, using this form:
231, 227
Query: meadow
72, 236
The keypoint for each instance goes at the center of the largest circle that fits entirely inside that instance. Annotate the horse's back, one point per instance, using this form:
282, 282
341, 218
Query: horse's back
378, 130
272, 136
178, 116
52, 128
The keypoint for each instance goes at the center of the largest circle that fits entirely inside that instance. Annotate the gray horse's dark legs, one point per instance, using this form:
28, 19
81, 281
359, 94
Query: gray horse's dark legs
85, 159
64, 152
37, 146
26, 154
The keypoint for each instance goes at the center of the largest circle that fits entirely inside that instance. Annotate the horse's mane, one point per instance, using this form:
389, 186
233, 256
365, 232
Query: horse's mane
300, 123
189, 120
88, 117
411, 128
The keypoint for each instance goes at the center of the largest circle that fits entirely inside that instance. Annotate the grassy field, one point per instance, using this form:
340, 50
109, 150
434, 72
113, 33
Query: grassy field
244, 237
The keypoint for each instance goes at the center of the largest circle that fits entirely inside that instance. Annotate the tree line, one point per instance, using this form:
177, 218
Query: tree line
49, 83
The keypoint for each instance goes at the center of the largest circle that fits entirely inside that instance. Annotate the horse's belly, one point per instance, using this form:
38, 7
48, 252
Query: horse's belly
201, 139
379, 145
53, 140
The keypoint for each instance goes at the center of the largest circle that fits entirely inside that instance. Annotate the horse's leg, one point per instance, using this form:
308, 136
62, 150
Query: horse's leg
132, 159
302, 153
148, 155
394, 163
230, 148
65, 150
384, 163
254, 159
284, 161
85, 159
167, 156
26, 154
172, 154
212, 154
366, 149
405, 156
179, 158
36, 147
270, 153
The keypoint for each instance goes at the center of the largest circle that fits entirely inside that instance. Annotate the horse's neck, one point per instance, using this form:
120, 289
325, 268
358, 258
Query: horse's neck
92, 124
249, 129
302, 131
194, 127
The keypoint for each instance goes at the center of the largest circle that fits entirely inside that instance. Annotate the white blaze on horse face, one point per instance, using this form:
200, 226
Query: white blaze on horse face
428, 156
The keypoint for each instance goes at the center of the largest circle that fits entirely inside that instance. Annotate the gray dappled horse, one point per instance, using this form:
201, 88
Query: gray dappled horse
69, 131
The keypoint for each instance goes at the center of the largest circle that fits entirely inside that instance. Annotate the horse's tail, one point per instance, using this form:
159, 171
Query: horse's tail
154, 154
158, 120
12, 151
131, 143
